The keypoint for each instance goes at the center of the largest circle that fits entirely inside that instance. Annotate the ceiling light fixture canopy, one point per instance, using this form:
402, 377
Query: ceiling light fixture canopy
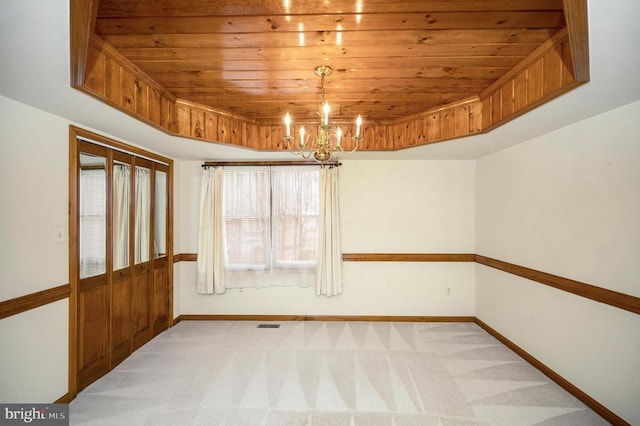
325, 144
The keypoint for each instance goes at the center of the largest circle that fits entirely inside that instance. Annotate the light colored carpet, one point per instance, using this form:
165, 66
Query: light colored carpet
327, 374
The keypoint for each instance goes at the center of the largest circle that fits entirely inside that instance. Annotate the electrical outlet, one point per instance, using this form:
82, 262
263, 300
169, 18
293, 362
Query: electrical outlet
449, 291
58, 234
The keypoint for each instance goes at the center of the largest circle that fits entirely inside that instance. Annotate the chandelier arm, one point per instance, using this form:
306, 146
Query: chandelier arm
288, 140
305, 149
356, 139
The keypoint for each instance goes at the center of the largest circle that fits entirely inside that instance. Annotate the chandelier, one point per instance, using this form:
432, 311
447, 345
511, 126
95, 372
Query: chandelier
325, 144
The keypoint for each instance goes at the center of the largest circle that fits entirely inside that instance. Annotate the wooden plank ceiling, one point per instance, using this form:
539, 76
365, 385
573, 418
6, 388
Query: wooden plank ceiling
391, 59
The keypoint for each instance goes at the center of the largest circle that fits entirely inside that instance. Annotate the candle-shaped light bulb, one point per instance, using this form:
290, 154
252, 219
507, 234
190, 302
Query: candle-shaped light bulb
325, 116
287, 123
358, 124
302, 135
339, 136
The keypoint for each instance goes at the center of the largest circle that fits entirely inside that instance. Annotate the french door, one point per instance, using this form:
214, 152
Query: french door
121, 270
94, 272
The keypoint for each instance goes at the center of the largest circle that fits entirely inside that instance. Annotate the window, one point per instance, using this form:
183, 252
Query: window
270, 225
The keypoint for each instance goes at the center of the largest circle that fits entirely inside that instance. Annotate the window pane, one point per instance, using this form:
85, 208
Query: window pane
246, 241
297, 239
93, 215
297, 192
246, 215
160, 215
246, 194
296, 207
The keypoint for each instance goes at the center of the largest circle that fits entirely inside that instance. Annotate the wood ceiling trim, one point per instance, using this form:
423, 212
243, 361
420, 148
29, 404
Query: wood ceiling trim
113, 54
83, 14
114, 80
577, 24
557, 38
547, 77
550, 71
187, 104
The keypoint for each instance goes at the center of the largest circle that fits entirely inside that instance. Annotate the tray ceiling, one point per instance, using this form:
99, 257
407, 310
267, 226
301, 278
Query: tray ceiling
255, 58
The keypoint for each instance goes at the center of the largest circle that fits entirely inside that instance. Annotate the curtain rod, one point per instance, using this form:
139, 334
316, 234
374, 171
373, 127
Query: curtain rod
268, 163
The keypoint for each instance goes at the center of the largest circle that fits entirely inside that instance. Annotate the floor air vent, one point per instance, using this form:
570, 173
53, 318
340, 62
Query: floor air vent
268, 325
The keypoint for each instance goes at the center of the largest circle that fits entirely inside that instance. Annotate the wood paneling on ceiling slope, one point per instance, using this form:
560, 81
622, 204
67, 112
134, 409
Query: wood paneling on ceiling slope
417, 71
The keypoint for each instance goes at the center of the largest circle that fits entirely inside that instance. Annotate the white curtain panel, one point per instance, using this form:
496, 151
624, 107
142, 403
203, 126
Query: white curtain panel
143, 210
329, 272
121, 173
211, 274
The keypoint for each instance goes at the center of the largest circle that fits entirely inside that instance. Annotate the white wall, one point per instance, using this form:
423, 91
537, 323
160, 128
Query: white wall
33, 200
33, 357
568, 203
386, 207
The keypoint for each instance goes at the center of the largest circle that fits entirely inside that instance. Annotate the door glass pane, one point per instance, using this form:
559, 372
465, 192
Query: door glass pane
143, 214
93, 215
160, 215
121, 190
